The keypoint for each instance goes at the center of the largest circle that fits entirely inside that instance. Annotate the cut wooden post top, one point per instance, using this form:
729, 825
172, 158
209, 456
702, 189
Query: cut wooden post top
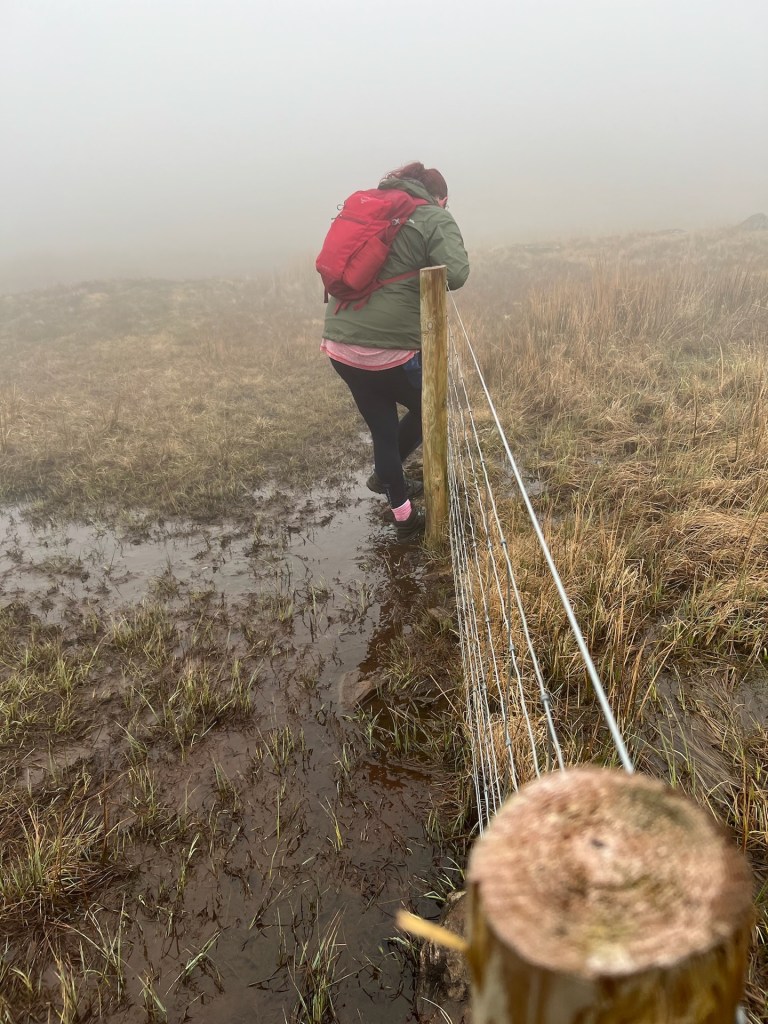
597, 872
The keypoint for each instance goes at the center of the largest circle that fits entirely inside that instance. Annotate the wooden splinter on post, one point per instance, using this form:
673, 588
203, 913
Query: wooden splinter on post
602, 897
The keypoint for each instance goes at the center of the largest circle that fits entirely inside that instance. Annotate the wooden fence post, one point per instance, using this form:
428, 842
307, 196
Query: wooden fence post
602, 897
434, 402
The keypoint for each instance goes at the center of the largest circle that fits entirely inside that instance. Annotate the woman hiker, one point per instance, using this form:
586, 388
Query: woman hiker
374, 342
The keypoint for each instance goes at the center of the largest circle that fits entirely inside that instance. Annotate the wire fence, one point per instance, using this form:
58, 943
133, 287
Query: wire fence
512, 714
519, 727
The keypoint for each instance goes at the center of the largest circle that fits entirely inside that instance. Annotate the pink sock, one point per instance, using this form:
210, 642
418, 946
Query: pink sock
402, 512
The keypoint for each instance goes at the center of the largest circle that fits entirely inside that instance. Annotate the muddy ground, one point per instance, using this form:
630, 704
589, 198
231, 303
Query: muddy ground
235, 762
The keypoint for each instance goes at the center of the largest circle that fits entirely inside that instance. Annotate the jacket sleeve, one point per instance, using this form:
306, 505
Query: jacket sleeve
446, 246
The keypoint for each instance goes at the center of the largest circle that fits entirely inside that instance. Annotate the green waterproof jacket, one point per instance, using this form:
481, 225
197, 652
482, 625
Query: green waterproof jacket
391, 317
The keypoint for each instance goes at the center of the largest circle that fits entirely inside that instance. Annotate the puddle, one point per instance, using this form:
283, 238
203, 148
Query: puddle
295, 841
51, 567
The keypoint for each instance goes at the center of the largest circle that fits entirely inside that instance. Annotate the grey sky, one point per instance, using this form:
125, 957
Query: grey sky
174, 136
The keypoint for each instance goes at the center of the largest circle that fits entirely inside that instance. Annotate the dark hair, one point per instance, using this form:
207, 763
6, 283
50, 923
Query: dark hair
430, 178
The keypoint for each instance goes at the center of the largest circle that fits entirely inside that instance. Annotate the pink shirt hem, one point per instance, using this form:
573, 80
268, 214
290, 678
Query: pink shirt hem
364, 358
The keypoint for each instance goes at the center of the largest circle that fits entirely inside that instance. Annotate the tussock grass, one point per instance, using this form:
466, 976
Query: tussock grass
53, 858
632, 385
42, 681
68, 839
631, 379
59, 856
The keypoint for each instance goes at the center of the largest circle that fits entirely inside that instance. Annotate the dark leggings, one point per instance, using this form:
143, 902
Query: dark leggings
377, 394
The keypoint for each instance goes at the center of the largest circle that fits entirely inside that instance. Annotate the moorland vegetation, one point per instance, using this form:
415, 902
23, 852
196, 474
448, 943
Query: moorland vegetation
630, 375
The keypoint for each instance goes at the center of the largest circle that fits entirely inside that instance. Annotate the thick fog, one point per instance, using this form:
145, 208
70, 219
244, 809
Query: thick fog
176, 137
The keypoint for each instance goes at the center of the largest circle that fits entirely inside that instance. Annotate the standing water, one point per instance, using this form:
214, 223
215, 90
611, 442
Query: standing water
264, 854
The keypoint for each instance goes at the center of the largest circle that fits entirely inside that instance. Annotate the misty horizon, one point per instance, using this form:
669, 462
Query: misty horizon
180, 141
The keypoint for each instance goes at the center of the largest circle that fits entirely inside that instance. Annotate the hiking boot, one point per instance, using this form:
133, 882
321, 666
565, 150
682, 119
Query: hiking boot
413, 488
412, 527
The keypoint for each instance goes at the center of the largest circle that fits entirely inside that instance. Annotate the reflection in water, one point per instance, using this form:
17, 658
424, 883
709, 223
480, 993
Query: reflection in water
309, 840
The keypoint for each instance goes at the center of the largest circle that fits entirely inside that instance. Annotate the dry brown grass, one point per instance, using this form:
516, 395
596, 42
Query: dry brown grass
632, 383
631, 378
178, 398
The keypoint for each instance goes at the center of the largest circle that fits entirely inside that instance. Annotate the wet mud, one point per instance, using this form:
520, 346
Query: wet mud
265, 849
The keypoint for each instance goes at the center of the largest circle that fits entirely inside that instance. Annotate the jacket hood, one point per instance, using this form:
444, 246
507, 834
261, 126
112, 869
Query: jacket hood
412, 187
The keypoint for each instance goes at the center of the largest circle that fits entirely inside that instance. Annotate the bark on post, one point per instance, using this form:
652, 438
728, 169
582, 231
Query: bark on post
599, 897
434, 402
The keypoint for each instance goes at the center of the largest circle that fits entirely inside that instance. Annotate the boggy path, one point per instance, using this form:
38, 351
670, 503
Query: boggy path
261, 834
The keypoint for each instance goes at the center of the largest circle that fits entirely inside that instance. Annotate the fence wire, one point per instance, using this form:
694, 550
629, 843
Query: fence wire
511, 714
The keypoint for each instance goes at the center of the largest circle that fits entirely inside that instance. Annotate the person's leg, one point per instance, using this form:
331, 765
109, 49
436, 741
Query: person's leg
409, 434
408, 394
372, 391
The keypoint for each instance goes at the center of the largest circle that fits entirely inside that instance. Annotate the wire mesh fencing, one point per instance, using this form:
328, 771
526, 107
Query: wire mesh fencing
523, 720
519, 726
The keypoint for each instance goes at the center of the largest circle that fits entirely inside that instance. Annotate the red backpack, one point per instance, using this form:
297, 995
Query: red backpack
358, 243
